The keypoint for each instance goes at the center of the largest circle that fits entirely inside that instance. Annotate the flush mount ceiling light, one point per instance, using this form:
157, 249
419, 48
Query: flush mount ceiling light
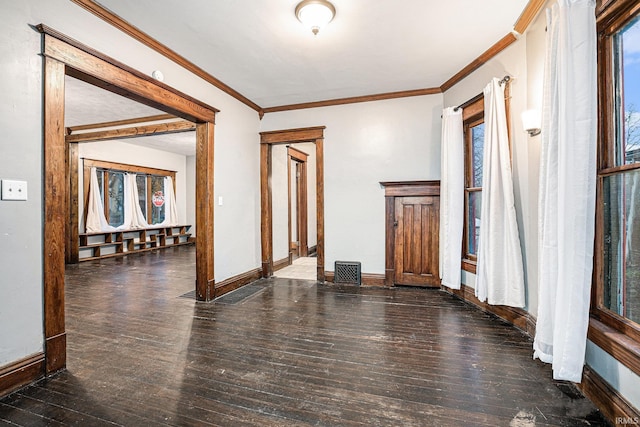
315, 14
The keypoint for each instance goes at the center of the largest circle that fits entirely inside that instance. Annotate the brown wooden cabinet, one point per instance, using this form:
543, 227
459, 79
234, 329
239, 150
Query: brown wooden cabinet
412, 233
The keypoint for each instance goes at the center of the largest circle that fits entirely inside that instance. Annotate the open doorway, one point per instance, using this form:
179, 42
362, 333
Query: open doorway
66, 57
312, 140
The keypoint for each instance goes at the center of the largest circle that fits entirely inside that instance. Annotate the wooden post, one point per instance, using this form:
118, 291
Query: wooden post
205, 279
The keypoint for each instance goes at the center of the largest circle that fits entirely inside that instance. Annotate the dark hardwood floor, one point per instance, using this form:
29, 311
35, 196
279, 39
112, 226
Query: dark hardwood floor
282, 353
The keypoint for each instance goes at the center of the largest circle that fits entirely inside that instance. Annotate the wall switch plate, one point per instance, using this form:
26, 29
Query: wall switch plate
220, 201
14, 190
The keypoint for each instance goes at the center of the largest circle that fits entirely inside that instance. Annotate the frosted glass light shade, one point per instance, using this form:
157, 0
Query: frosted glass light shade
315, 14
531, 121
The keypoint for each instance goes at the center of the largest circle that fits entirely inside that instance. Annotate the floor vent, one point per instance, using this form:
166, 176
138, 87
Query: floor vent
347, 272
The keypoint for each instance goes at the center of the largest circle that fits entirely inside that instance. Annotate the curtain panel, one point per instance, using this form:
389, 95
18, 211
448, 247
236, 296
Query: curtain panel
451, 197
567, 188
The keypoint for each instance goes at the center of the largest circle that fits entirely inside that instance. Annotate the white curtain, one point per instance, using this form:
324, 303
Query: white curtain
567, 188
500, 277
170, 208
451, 197
133, 216
95, 222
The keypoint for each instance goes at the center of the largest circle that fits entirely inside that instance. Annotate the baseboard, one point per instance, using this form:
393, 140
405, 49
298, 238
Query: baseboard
371, 280
612, 405
518, 317
21, 373
280, 264
236, 282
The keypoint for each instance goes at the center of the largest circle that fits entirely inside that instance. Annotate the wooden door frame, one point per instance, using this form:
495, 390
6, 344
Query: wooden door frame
302, 225
66, 56
391, 191
267, 141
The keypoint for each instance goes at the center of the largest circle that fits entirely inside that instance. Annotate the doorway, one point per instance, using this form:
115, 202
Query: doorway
64, 56
297, 203
273, 140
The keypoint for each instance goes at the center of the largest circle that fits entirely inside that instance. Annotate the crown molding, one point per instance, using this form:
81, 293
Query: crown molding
354, 99
124, 26
527, 16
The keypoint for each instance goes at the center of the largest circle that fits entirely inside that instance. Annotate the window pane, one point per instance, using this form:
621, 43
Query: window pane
141, 182
157, 199
100, 175
116, 198
477, 146
627, 72
621, 195
473, 226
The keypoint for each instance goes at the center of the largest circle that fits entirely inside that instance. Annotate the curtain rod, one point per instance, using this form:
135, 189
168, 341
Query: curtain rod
506, 79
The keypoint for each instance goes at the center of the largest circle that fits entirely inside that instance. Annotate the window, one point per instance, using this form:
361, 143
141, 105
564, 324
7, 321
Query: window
473, 116
150, 183
616, 292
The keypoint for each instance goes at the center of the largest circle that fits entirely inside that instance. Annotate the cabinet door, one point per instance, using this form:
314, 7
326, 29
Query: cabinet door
416, 240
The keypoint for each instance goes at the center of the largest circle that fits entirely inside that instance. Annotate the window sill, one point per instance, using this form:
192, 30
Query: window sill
469, 265
623, 348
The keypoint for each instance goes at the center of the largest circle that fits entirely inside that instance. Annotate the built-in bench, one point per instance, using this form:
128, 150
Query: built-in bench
125, 242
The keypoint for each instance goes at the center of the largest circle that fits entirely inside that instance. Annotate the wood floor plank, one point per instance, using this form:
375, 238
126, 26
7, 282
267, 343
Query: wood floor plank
294, 354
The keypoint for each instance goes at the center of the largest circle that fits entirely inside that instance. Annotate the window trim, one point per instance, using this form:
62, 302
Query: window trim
617, 335
121, 168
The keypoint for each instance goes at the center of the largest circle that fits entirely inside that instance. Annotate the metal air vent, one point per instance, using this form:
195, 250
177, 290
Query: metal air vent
347, 272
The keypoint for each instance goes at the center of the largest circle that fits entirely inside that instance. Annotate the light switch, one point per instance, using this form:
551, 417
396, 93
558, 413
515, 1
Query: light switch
14, 190
220, 201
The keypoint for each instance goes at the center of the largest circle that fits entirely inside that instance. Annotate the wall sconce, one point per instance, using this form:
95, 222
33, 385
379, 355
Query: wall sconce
315, 14
531, 122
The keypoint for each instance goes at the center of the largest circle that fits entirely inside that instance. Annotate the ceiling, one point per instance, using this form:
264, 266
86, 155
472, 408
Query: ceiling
261, 50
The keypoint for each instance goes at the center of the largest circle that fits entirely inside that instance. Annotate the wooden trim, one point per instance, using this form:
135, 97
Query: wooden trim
411, 188
281, 263
291, 136
72, 250
21, 373
289, 219
518, 317
498, 47
608, 400
469, 265
473, 109
266, 210
205, 278
237, 281
124, 26
133, 132
300, 156
118, 123
354, 99
105, 72
124, 167
369, 280
623, 348
527, 16
55, 212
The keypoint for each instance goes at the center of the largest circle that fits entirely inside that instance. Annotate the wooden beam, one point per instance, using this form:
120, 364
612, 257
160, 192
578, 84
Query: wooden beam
266, 225
55, 215
118, 123
72, 250
100, 70
152, 43
320, 207
133, 132
529, 13
205, 279
354, 99
502, 44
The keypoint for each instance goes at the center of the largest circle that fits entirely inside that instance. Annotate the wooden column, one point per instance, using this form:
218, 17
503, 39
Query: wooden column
205, 279
72, 250
55, 212
390, 219
320, 206
266, 226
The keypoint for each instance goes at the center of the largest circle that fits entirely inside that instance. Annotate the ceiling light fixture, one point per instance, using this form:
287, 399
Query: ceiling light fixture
315, 14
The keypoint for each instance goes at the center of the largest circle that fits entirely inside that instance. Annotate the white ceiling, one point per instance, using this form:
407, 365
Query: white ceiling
261, 50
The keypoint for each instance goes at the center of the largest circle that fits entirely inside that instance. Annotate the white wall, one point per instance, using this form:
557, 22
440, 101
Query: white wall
365, 143
124, 152
236, 159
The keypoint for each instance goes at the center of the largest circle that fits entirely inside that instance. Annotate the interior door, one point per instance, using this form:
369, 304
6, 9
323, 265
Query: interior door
416, 241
